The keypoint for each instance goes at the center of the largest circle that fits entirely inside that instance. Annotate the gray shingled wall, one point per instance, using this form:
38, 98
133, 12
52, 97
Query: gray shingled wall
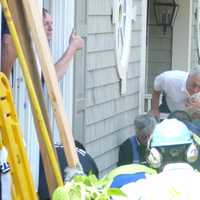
106, 117
194, 57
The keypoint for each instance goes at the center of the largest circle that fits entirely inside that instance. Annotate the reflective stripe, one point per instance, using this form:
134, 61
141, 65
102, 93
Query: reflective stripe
130, 169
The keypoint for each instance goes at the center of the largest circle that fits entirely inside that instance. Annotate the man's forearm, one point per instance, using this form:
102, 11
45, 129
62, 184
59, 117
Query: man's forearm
61, 65
155, 102
75, 43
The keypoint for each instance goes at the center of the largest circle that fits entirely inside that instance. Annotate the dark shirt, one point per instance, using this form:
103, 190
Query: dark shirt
126, 155
4, 27
163, 108
87, 162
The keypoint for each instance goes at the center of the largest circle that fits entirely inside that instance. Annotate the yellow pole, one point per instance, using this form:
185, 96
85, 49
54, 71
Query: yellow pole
32, 94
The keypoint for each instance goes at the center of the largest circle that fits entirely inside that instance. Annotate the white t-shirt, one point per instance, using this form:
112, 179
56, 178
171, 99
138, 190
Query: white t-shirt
173, 84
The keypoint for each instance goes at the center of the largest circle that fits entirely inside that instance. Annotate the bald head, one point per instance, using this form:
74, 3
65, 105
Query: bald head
144, 126
193, 80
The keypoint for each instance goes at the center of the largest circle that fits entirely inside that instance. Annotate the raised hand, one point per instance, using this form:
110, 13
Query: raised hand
76, 41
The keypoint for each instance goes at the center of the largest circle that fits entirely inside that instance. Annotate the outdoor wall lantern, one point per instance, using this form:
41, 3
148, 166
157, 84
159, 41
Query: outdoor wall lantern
165, 13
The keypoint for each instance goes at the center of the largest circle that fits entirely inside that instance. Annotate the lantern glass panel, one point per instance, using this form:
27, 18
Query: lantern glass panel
164, 14
165, 11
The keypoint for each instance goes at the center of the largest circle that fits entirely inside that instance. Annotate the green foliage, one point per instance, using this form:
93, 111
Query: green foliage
87, 188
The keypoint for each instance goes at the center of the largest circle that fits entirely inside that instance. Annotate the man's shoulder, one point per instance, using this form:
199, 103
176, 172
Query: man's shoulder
175, 74
174, 78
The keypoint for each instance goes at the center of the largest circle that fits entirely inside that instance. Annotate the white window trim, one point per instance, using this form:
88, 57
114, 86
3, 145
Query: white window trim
144, 7
181, 54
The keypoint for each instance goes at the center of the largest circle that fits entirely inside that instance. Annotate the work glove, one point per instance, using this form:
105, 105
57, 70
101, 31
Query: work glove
70, 172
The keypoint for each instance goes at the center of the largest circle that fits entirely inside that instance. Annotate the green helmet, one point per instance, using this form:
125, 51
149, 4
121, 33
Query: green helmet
171, 132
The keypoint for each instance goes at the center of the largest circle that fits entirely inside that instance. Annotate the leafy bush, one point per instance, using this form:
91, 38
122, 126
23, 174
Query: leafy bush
87, 188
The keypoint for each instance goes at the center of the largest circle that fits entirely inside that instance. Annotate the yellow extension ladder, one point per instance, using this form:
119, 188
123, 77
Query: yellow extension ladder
53, 176
10, 136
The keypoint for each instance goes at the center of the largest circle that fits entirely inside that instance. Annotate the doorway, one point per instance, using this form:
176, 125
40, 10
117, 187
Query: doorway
167, 50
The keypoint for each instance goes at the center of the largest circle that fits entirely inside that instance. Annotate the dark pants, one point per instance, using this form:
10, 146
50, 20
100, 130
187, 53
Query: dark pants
163, 108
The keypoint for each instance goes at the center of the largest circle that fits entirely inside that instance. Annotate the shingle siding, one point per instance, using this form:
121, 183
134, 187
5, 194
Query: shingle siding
99, 60
113, 124
96, 7
110, 109
194, 56
100, 42
108, 116
101, 77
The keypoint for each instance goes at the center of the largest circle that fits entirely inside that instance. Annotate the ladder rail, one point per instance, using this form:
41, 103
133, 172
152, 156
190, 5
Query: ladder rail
12, 139
32, 94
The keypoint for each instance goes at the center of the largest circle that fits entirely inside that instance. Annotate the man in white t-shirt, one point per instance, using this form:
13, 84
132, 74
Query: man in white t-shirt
180, 88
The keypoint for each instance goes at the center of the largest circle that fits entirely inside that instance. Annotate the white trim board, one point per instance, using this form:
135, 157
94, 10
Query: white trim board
182, 30
143, 56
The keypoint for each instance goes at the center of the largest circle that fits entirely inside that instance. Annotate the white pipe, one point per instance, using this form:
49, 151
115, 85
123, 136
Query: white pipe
143, 57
